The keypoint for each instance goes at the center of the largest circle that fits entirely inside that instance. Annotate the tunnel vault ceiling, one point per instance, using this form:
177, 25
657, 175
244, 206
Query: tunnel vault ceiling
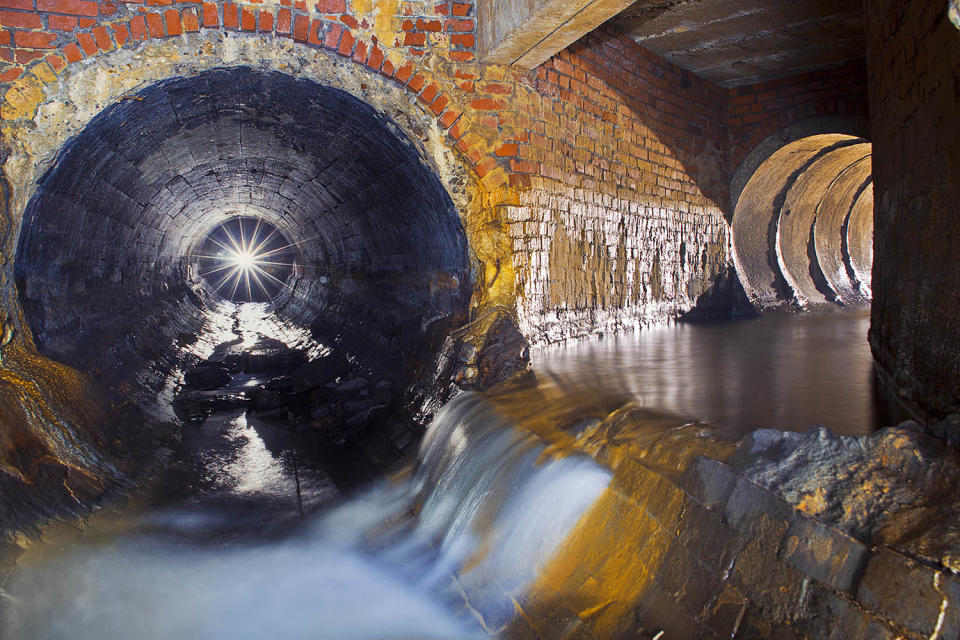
733, 42
106, 239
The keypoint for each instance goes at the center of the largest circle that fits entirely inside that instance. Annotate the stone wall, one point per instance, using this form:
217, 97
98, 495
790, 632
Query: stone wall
781, 536
914, 68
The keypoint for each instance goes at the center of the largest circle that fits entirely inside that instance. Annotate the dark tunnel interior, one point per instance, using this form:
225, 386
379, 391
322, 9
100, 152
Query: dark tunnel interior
113, 259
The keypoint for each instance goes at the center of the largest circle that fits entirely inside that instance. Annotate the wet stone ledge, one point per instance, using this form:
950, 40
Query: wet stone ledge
694, 539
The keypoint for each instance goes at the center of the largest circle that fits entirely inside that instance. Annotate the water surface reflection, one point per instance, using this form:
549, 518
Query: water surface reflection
789, 371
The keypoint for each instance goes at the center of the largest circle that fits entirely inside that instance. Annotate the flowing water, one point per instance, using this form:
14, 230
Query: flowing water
262, 531
388, 563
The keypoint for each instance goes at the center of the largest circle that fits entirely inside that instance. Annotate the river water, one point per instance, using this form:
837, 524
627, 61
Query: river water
261, 531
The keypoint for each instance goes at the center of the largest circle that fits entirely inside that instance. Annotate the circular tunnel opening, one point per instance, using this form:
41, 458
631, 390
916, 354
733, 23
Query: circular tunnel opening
803, 225
125, 262
246, 259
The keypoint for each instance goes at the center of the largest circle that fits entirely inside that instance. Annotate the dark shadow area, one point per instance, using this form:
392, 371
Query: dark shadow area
723, 299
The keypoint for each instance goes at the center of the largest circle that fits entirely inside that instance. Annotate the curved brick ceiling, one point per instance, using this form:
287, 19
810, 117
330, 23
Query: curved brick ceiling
106, 238
803, 226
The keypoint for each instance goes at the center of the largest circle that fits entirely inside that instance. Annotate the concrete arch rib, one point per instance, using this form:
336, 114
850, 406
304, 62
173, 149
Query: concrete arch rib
798, 217
832, 216
757, 215
859, 240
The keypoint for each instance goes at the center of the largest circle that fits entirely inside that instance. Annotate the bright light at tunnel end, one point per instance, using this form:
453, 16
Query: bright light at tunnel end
246, 261
243, 259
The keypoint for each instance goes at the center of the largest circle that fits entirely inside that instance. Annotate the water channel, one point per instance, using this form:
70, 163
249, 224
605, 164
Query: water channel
260, 530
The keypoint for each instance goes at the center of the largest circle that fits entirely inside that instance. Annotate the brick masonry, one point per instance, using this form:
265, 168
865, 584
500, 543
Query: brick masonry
759, 110
622, 157
914, 53
604, 172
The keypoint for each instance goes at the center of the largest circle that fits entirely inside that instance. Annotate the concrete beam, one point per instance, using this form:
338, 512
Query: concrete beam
526, 33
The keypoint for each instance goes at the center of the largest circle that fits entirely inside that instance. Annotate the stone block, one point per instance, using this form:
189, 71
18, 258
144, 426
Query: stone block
902, 590
828, 615
707, 537
856, 623
690, 583
749, 501
709, 482
824, 553
659, 612
726, 612
756, 627
773, 587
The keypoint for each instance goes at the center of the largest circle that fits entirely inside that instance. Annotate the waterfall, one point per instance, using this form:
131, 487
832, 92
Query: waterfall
438, 552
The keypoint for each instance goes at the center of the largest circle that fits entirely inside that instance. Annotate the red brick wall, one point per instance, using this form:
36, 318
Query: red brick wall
622, 158
621, 151
69, 30
759, 110
619, 118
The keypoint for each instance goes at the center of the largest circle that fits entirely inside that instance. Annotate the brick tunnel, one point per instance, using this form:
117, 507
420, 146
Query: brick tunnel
110, 238
524, 320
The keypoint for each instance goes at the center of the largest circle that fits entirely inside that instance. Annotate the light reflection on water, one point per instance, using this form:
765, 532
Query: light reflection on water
787, 371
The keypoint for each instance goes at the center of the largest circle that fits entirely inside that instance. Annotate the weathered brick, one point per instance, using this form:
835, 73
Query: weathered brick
376, 58
429, 93
34, 39
102, 38
154, 25
211, 16
248, 20
284, 18
750, 506
346, 44
416, 83
301, 28
173, 23
231, 16
57, 62
360, 52
62, 23
72, 53
190, 20
138, 27
488, 104
73, 7
448, 118
414, 39
439, 104
20, 20
88, 44
459, 25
